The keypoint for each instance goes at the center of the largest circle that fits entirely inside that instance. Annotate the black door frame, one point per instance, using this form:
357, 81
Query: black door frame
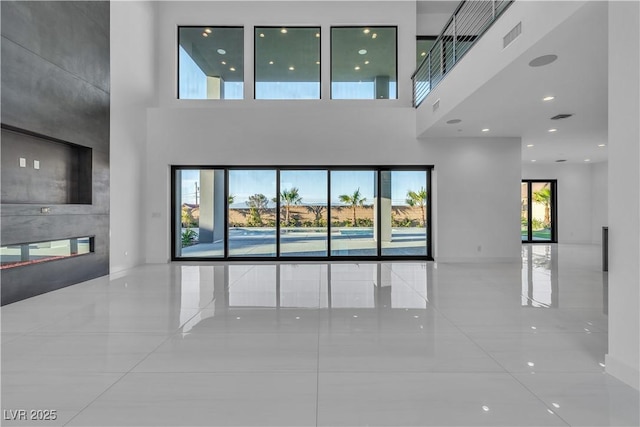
553, 208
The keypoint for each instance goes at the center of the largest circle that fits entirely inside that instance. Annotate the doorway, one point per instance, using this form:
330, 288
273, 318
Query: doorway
538, 216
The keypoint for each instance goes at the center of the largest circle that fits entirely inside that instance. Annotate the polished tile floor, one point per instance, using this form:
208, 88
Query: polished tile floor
393, 344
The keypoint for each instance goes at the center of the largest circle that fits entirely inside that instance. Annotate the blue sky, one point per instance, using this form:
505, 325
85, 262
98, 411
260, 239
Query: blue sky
312, 185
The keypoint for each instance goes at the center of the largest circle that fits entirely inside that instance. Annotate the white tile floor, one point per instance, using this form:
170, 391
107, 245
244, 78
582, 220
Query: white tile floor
397, 344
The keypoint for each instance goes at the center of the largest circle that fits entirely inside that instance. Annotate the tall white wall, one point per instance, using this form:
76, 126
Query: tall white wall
599, 200
326, 132
133, 88
580, 210
623, 359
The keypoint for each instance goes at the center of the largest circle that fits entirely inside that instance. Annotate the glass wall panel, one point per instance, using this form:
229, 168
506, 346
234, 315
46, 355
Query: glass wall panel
210, 62
403, 201
303, 213
524, 211
363, 63
201, 213
352, 213
423, 45
30, 253
252, 212
541, 199
287, 63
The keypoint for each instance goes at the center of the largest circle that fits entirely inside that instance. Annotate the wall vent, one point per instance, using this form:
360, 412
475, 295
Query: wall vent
561, 160
561, 116
512, 35
436, 105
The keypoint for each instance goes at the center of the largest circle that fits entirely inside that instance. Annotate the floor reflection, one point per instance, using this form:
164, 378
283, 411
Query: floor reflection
540, 276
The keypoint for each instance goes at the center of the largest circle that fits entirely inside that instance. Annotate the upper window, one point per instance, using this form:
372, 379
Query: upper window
210, 62
423, 46
363, 63
287, 63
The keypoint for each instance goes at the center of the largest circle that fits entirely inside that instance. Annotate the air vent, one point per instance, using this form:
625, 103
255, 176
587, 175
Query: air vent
561, 160
512, 35
436, 105
561, 116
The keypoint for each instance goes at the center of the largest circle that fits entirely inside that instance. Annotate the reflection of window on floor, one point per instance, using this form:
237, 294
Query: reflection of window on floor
539, 276
300, 212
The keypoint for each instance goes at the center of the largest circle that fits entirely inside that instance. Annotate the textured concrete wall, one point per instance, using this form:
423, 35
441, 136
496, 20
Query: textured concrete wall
55, 82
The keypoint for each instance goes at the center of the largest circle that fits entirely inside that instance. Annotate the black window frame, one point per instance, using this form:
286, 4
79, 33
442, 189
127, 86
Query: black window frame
553, 208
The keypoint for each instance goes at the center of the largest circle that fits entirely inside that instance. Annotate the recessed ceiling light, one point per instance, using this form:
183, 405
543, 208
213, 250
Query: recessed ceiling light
548, 98
317, 34
453, 121
485, 408
232, 68
270, 62
366, 62
283, 31
205, 35
529, 145
292, 68
374, 35
485, 130
221, 51
366, 31
542, 60
207, 30
362, 51
533, 160
553, 130
261, 34
423, 53
587, 160
356, 68
223, 62
317, 62
602, 145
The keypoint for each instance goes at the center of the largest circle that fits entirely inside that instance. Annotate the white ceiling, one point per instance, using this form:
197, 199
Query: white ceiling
511, 105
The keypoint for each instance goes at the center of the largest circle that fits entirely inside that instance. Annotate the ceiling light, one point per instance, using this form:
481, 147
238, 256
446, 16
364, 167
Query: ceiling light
223, 62
292, 68
356, 68
542, 60
553, 130
317, 62
232, 68
485, 130
317, 34
283, 31
270, 62
548, 98
374, 35
485, 408
207, 30
531, 364
366, 62
366, 31
602, 145
221, 51
529, 145
205, 35
587, 160
423, 53
555, 405
261, 34
533, 161
362, 51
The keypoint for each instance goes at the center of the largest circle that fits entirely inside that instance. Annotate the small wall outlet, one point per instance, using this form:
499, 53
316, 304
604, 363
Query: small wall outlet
23, 162
36, 164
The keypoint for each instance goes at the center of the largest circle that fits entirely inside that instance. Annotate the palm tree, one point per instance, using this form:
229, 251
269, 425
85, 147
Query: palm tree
316, 210
257, 204
418, 198
288, 198
543, 196
354, 200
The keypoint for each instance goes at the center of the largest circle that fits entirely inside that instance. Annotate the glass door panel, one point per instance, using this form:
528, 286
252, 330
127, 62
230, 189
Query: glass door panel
252, 213
541, 225
524, 211
403, 206
303, 213
352, 213
200, 213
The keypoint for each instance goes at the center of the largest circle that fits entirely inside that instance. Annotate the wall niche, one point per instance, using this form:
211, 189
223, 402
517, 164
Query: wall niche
37, 169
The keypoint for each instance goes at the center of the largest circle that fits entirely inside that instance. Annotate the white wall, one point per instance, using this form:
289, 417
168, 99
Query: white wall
599, 200
133, 86
431, 24
623, 359
580, 209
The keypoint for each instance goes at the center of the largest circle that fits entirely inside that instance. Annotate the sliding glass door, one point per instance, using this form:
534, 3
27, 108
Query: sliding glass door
300, 212
538, 211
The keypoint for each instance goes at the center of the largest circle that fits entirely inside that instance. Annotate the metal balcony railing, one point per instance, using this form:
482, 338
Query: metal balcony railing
468, 23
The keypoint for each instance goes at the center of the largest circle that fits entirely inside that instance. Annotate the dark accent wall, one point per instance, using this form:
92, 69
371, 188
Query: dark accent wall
55, 109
